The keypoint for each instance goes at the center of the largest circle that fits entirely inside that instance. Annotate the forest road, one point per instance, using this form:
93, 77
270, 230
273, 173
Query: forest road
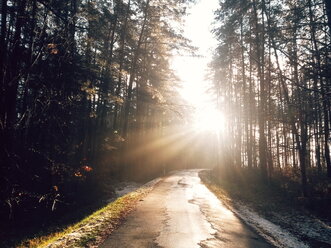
181, 212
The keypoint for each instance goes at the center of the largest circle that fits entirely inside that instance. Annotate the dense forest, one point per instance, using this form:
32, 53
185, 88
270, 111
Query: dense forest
272, 75
88, 95
82, 83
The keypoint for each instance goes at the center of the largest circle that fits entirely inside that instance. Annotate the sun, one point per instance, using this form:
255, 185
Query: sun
209, 120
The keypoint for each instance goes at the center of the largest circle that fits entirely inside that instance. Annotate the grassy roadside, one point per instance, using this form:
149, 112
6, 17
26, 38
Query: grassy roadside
270, 201
254, 194
92, 230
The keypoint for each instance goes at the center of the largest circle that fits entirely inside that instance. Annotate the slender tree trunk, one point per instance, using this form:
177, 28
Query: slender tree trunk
259, 41
277, 147
133, 72
3, 56
285, 146
251, 142
325, 98
121, 62
328, 13
269, 86
301, 145
245, 97
12, 76
294, 161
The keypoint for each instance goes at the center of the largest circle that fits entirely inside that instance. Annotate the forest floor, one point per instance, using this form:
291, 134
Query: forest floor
271, 213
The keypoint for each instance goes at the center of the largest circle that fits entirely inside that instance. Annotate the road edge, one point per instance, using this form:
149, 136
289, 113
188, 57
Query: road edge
273, 233
95, 228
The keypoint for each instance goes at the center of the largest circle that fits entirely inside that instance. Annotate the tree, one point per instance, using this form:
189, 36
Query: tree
282, 62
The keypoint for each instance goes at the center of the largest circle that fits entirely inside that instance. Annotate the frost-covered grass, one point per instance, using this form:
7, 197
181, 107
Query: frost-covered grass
271, 213
92, 230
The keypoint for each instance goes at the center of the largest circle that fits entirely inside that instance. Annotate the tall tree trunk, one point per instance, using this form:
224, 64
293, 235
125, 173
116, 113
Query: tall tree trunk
245, 96
13, 75
328, 13
251, 142
259, 41
325, 98
3, 56
301, 145
133, 72
121, 62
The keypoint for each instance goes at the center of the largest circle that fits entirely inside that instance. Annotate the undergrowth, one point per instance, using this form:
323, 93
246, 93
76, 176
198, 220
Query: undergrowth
265, 196
92, 229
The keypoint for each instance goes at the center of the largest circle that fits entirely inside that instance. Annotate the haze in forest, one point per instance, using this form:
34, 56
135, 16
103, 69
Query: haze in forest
94, 93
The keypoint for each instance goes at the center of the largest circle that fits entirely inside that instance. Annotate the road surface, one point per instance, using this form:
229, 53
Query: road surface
181, 212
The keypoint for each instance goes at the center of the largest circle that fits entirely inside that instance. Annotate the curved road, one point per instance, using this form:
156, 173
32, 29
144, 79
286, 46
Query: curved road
181, 212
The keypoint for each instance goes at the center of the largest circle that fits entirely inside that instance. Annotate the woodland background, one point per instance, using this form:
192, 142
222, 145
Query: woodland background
87, 96
83, 83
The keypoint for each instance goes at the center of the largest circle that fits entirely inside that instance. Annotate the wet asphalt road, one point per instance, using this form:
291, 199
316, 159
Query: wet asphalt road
181, 212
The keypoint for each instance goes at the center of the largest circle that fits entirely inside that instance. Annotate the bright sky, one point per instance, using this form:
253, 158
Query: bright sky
192, 71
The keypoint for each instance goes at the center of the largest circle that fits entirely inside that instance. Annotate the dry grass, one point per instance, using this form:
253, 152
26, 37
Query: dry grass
272, 202
253, 192
92, 230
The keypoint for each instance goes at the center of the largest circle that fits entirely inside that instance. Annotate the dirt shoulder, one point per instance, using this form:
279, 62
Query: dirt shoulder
272, 214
